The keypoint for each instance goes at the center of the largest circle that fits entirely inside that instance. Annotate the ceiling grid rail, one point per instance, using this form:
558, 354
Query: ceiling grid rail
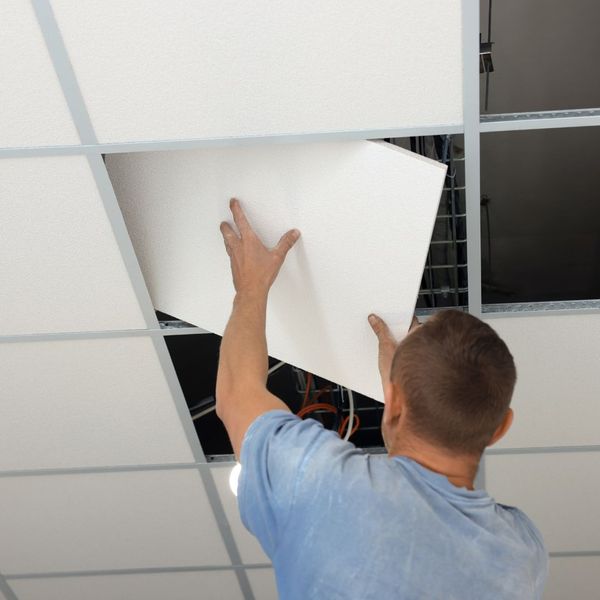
473, 126
231, 459
556, 119
5, 589
75, 102
470, 21
147, 571
470, 56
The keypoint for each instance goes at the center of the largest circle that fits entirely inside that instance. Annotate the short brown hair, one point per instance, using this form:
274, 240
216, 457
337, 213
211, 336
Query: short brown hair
458, 377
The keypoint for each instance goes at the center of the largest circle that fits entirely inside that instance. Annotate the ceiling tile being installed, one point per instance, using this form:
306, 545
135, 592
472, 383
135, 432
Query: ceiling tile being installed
65, 271
559, 491
199, 69
250, 550
100, 521
555, 400
366, 212
207, 585
34, 111
82, 403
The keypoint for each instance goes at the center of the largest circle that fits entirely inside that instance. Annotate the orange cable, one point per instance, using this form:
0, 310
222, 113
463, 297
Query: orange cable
307, 391
318, 406
355, 425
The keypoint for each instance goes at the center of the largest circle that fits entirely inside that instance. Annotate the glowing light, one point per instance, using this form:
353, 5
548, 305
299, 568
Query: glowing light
233, 478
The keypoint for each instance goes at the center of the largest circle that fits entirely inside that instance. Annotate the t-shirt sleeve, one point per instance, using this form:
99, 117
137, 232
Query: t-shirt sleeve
540, 566
278, 453
542, 555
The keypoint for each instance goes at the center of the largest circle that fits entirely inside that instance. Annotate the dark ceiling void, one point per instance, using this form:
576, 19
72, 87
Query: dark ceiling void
195, 358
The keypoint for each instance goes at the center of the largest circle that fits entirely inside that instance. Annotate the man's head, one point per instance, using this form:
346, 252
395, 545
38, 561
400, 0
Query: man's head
452, 379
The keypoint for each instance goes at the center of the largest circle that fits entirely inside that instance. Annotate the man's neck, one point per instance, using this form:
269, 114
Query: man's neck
459, 469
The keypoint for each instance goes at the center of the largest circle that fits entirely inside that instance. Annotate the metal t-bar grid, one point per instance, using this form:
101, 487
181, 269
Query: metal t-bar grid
473, 126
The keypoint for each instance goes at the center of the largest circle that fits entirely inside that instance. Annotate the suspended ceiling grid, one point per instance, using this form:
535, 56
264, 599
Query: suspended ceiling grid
103, 484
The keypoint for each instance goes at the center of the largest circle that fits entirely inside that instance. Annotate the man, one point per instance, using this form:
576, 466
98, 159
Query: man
338, 523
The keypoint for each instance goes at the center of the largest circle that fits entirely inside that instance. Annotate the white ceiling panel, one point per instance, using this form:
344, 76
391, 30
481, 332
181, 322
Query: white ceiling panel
262, 582
184, 69
558, 491
65, 271
365, 209
556, 397
81, 403
107, 521
34, 111
206, 585
573, 577
250, 549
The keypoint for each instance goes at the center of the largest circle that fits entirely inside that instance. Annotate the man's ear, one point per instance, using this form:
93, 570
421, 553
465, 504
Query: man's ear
387, 393
503, 427
394, 401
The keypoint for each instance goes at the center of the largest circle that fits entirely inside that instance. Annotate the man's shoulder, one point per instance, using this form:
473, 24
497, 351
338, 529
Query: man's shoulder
524, 525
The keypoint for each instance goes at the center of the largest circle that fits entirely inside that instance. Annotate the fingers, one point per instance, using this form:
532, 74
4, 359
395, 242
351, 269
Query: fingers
286, 242
229, 236
382, 331
239, 217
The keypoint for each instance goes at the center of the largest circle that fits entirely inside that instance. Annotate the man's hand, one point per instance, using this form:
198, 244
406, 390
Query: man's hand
241, 390
253, 265
387, 344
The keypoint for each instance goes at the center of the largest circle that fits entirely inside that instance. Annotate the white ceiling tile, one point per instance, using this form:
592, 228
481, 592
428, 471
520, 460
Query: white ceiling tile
205, 585
34, 111
365, 209
80, 403
559, 492
197, 69
250, 549
107, 521
65, 271
556, 397
262, 582
573, 577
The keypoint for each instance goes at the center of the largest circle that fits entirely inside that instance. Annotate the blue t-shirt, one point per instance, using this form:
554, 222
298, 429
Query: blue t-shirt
340, 523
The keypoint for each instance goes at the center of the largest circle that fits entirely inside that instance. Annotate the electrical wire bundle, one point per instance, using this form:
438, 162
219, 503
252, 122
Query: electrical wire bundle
310, 404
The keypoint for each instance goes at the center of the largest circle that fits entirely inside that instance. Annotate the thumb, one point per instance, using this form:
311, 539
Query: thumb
286, 242
382, 331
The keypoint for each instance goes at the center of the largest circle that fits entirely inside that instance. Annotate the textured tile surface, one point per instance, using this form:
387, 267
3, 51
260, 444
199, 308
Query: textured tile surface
263, 585
81, 403
207, 585
558, 491
62, 270
250, 550
195, 69
577, 578
34, 111
556, 397
107, 521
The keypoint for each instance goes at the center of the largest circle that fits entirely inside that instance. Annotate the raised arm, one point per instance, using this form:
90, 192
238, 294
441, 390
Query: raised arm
241, 391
